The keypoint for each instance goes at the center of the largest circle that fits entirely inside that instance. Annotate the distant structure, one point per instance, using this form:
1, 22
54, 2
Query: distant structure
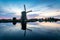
14, 22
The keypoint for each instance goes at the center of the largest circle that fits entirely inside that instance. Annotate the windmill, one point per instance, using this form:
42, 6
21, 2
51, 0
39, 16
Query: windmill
24, 18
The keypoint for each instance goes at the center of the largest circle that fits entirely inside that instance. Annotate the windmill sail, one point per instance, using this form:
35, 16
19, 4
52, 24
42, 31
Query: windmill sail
24, 8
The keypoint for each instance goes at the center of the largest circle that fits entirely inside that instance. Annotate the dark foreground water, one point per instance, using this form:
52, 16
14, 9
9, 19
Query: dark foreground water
40, 31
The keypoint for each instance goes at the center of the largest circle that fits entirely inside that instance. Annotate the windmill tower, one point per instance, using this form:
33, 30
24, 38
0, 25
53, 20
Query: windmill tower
24, 18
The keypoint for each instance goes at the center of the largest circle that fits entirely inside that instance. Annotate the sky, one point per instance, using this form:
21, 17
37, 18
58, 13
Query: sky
40, 8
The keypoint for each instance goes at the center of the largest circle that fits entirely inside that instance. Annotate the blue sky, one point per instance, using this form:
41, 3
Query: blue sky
40, 8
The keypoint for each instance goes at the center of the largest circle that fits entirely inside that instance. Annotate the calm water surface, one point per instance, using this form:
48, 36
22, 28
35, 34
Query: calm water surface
40, 31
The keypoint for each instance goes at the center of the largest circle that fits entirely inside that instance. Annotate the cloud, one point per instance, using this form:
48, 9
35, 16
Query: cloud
32, 16
5, 13
46, 8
